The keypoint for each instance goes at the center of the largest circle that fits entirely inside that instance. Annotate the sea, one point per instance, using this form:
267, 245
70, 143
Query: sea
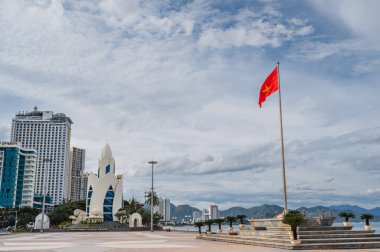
215, 228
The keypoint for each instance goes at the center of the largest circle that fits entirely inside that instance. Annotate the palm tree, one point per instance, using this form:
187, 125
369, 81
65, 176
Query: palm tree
156, 201
199, 225
367, 217
346, 216
230, 219
209, 223
219, 222
241, 217
130, 207
294, 218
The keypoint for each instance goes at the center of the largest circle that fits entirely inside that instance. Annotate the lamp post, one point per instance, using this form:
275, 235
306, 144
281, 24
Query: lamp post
16, 221
45, 160
151, 197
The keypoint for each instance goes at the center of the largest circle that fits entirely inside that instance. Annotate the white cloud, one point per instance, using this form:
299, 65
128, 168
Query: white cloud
252, 29
360, 17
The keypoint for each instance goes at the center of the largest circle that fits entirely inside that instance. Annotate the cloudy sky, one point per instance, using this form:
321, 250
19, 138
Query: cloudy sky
178, 82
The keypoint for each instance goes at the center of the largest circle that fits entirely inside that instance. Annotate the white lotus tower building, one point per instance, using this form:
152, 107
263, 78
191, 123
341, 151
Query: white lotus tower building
104, 190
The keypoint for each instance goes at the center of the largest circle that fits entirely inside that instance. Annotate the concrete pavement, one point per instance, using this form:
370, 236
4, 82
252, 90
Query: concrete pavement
122, 241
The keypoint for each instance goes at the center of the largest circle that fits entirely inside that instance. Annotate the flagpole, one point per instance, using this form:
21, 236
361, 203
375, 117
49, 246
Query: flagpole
282, 141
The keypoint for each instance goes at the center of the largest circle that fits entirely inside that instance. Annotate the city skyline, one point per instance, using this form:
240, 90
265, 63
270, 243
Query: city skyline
178, 82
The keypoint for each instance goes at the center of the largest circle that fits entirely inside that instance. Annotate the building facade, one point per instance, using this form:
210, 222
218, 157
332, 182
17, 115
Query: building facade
205, 214
77, 163
105, 189
214, 212
164, 209
83, 185
197, 216
49, 134
17, 175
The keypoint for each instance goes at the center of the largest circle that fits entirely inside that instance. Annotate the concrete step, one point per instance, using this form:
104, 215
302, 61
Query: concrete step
306, 244
250, 242
278, 228
252, 238
341, 240
266, 234
335, 232
324, 228
344, 245
348, 235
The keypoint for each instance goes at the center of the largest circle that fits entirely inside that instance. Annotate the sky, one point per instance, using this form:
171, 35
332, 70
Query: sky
178, 82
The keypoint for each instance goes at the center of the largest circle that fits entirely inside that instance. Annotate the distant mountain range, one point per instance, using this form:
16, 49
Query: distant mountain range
181, 211
268, 211
357, 209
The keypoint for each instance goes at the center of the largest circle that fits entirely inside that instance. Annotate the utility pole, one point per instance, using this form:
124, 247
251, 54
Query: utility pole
151, 197
45, 160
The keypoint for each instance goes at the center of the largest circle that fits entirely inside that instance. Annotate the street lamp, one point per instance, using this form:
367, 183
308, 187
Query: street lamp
45, 160
151, 197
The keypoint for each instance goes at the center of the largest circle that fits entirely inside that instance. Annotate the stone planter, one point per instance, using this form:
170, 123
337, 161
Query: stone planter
241, 226
230, 229
220, 231
346, 223
295, 242
368, 227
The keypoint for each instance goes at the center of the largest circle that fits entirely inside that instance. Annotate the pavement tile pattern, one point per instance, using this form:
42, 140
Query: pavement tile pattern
122, 241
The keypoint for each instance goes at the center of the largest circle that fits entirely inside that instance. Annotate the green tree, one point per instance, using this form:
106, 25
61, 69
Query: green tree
294, 218
156, 218
241, 217
25, 216
24, 219
209, 223
230, 220
156, 201
58, 216
346, 216
367, 217
130, 207
146, 218
62, 212
29, 210
199, 225
219, 222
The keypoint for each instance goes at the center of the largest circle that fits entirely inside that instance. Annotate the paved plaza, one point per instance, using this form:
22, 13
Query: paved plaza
121, 241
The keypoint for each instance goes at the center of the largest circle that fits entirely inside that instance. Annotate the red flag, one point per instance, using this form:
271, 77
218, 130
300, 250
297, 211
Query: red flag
269, 86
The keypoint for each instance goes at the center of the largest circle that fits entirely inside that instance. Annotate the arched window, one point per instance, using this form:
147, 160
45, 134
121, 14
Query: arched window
108, 168
107, 205
89, 195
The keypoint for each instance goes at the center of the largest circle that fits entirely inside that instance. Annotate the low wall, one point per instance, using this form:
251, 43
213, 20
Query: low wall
266, 223
274, 223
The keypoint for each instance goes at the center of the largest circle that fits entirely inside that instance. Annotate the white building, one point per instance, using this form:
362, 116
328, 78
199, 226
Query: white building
49, 134
104, 190
213, 211
77, 162
164, 209
205, 214
83, 186
197, 216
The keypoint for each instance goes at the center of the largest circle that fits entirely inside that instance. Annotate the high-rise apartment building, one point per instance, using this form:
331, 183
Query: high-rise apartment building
84, 181
17, 174
77, 162
197, 216
49, 134
163, 208
205, 214
214, 212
